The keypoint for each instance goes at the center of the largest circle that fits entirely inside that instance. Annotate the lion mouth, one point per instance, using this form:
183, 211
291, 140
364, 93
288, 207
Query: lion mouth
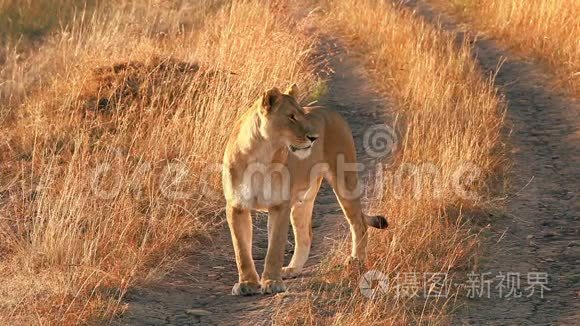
294, 149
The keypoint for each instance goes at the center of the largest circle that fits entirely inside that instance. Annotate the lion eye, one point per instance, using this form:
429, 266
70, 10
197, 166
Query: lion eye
292, 117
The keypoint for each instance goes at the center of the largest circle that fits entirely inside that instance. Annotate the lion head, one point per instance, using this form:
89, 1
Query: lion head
283, 120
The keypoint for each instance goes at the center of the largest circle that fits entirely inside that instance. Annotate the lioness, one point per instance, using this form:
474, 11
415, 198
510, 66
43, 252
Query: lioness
276, 157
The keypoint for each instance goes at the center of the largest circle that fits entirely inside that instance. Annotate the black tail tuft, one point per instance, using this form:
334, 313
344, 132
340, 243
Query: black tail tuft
379, 222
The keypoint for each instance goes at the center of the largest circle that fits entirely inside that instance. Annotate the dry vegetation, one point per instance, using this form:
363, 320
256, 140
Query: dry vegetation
111, 113
108, 121
548, 30
24, 24
32, 19
450, 116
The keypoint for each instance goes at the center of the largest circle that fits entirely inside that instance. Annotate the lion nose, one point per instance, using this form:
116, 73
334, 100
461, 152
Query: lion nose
312, 138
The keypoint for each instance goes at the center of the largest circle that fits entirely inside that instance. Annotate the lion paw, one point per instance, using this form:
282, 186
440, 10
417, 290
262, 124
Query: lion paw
273, 286
291, 272
246, 288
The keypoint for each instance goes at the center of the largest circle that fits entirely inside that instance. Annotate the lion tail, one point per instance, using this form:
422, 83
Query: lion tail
379, 222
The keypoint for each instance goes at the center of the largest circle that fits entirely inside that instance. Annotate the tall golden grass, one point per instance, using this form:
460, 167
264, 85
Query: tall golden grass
107, 157
31, 19
548, 30
449, 119
24, 24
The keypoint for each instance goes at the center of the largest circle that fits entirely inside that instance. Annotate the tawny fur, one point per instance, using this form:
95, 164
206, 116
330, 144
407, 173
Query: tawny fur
276, 157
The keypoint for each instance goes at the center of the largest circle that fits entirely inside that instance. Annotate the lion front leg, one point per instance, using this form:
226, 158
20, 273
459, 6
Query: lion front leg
278, 222
240, 223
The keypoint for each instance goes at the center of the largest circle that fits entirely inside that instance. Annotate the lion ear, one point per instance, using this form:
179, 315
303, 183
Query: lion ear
270, 98
293, 91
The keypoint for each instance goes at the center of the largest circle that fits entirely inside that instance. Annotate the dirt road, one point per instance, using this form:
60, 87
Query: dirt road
198, 291
541, 230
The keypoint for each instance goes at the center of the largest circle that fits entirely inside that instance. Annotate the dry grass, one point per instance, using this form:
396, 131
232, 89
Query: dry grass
24, 25
104, 154
548, 30
31, 19
449, 118
112, 113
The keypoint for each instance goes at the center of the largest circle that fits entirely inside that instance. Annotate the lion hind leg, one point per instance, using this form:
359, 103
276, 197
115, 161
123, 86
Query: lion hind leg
345, 186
